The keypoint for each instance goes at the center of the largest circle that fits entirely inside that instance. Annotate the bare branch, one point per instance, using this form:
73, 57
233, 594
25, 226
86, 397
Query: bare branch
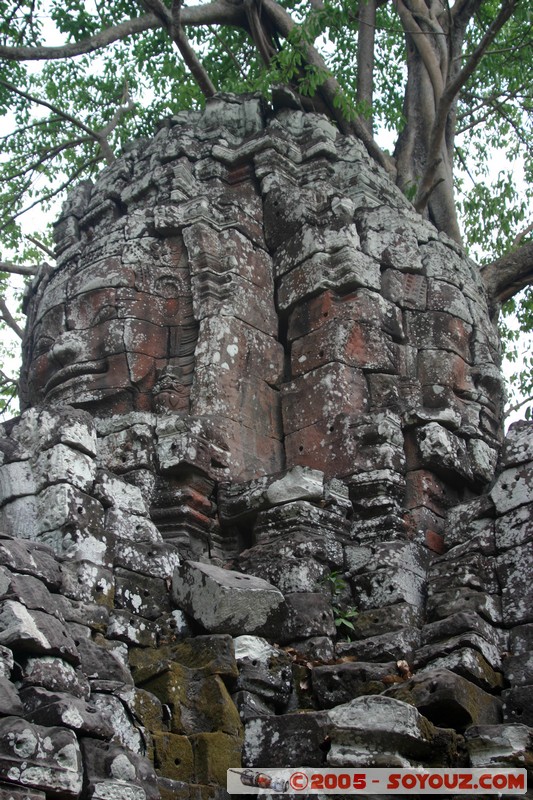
18, 269
98, 136
40, 245
89, 45
217, 13
522, 234
506, 276
9, 319
50, 195
517, 406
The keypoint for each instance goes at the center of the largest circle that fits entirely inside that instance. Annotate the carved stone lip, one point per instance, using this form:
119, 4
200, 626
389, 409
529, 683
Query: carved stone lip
75, 371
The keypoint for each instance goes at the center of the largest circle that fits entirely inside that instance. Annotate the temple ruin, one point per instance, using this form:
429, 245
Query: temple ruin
258, 508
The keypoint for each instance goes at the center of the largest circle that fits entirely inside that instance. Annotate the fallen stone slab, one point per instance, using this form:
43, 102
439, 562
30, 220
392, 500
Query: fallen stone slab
499, 745
448, 700
224, 601
367, 729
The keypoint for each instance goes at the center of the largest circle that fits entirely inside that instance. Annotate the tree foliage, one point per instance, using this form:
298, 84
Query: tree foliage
447, 81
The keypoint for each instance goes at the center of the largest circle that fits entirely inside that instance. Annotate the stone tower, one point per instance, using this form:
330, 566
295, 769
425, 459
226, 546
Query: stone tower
259, 471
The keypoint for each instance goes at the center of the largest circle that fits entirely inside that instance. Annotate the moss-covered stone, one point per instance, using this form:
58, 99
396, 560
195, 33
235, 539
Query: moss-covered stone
198, 702
173, 757
214, 754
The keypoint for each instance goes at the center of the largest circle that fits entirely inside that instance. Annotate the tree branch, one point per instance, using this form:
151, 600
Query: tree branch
506, 276
9, 319
448, 96
422, 45
98, 136
167, 19
217, 13
18, 269
40, 245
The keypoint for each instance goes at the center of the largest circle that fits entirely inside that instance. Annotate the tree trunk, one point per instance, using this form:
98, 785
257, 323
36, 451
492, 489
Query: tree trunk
428, 72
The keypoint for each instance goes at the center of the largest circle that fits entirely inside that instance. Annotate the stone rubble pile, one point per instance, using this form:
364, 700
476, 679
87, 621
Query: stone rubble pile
257, 509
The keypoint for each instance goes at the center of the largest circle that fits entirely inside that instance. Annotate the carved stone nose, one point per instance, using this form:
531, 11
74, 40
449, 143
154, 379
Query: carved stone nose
66, 349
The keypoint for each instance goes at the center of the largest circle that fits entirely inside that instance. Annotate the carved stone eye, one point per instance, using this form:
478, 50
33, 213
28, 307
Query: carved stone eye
42, 345
103, 314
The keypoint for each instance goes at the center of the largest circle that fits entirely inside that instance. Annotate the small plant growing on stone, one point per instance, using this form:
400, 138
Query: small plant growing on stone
343, 615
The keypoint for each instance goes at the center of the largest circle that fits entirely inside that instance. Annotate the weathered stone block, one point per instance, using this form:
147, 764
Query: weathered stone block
18, 518
446, 602
141, 594
214, 754
251, 706
308, 614
498, 745
240, 501
115, 714
88, 583
301, 529
64, 505
513, 488
111, 772
263, 669
131, 628
461, 622
103, 662
390, 556
59, 708
286, 740
339, 683
40, 758
370, 730
385, 587
35, 632
399, 644
174, 756
64, 464
518, 705
358, 345
517, 445
10, 703
323, 394
198, 702
31, 559
224, 601
17, 480
345, 270
377, 621
514, 528
448, 700
518, 670
514, 570
54, 674
469, 663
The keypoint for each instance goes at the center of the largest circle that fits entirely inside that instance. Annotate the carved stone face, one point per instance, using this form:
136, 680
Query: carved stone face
105, 334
